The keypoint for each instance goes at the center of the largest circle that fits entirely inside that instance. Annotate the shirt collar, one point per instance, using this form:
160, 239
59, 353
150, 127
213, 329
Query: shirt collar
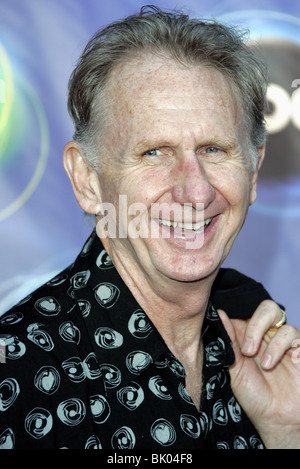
125, 339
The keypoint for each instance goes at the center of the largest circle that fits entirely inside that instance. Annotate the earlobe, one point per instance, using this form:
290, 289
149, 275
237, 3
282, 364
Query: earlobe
254, 176
83, 178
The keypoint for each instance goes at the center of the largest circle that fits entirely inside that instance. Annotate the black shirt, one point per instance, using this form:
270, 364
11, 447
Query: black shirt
83, 367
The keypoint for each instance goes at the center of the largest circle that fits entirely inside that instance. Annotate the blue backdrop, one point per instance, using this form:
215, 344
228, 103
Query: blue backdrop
41, 226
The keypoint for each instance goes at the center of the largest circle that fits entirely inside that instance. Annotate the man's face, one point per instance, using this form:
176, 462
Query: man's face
175, 135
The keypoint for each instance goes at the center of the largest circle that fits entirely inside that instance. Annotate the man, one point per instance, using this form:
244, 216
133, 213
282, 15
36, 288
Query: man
125, 348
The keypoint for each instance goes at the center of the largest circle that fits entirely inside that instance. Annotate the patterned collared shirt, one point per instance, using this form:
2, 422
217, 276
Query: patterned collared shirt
82, 367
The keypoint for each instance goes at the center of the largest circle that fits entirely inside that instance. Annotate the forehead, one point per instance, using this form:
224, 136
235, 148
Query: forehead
134, 78
150, 89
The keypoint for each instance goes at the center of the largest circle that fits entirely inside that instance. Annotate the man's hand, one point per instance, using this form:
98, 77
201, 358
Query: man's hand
265, 377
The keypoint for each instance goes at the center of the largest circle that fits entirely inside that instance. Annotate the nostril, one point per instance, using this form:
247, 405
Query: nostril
194, 188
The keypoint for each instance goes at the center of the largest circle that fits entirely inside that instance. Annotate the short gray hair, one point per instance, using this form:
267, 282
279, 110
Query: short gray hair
188, 40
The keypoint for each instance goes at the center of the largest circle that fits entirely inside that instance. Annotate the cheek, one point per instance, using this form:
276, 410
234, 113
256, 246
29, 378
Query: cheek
233, 184
108, 189
145, 186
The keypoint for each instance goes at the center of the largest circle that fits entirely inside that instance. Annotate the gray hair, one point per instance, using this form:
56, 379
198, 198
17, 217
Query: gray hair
190, 41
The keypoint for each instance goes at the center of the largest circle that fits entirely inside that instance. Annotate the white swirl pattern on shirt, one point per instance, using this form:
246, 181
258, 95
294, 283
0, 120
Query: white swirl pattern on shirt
89, 358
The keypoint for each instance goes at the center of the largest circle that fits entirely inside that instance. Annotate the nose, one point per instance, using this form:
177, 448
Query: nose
192, 183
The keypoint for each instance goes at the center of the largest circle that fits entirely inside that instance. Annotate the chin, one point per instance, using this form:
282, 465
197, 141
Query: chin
190, 273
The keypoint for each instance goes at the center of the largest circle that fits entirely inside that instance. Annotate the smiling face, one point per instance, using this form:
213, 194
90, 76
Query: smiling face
174, 137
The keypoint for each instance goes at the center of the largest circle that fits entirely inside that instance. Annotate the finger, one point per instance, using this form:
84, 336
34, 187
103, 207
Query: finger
279, 342
265, 316
231, 333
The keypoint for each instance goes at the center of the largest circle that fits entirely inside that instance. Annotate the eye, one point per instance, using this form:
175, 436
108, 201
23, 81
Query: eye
211, 150
214, 153
153, 152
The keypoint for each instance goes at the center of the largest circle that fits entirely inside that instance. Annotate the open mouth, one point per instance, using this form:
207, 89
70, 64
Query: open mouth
186, 228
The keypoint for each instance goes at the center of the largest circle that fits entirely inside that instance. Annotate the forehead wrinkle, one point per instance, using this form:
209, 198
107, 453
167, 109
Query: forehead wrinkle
152, 129
148, 69
131, 103
151, 69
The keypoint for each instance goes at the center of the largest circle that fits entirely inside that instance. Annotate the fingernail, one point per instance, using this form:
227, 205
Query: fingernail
248, 346
266, 361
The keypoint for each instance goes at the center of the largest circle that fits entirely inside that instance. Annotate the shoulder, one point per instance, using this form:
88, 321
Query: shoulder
48, 300
237, 294
32, 318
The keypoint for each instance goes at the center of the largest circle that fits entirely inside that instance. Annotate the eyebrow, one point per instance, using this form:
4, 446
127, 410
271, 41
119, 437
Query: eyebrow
226, 143
144, 145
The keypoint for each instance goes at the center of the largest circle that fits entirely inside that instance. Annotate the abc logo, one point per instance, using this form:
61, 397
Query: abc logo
285, 108
283, 115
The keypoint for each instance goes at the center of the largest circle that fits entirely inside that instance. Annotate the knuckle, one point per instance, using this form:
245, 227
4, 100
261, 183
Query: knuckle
276, 345
289, 330
268, 307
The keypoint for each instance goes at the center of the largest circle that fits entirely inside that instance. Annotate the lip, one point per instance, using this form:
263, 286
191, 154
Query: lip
186, 227
185, 231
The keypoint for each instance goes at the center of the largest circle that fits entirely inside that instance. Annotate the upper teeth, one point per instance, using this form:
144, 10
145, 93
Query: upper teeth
186, 226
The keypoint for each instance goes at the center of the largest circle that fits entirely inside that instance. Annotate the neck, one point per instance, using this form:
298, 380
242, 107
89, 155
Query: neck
177, 309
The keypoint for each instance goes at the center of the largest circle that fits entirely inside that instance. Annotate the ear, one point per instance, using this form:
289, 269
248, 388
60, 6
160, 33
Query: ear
83, 177
254, 175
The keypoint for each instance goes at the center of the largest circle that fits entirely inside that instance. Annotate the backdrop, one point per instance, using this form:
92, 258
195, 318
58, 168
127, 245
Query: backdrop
41, 226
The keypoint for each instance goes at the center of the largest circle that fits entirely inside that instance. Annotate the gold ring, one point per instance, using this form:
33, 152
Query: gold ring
282, 320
